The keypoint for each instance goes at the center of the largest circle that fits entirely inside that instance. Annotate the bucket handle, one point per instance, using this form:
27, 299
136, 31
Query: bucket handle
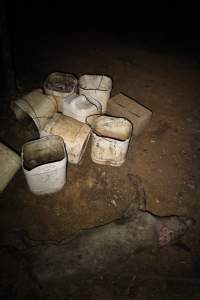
98, 87
36, 117
95, 100
100, 82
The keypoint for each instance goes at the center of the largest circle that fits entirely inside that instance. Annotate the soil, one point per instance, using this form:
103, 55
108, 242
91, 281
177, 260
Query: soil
165, 158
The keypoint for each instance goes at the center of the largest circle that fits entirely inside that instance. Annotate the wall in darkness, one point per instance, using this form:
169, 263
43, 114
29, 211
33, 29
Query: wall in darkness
170, 25
171, 22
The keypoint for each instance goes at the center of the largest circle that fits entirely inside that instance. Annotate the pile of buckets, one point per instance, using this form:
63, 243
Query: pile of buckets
66, 112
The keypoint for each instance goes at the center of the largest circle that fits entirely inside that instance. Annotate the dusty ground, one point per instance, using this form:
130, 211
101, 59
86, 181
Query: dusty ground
165, 157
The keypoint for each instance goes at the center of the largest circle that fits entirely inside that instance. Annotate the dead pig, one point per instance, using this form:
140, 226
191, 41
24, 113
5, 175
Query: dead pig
93, 250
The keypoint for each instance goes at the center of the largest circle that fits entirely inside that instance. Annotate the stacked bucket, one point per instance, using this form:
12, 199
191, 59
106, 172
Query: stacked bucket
66, 112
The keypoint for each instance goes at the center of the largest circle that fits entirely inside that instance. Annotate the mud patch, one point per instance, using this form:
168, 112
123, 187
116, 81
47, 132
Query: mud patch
161, 129
93, 195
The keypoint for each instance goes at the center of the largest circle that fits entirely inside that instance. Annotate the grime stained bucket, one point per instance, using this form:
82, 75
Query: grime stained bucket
110, 139
97, 87
44, 163
74, 133
60, 85
10, 163
81, 107
37, 105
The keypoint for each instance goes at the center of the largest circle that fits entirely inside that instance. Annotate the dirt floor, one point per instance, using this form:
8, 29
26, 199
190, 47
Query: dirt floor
165, 158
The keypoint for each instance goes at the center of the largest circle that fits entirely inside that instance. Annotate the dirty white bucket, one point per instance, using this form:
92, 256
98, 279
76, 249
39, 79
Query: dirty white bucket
37, 105
9, 164
96, 86
110, 139
81, 107
60, 85
74, 133
44, 164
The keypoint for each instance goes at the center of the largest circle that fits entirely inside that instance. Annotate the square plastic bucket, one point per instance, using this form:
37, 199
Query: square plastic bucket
110, 139
97, 87
44, 163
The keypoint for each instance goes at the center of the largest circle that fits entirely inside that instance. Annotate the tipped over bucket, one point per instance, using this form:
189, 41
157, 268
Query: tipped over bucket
9, 164
74, 133
81, 107
35, 105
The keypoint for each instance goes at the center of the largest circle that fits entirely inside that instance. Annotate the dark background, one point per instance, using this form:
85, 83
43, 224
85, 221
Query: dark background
170, 21
167, 26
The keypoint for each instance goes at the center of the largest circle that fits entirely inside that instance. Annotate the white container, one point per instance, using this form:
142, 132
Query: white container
9, 164
37, 105
81, 107
60, 85
74, 133
44, 163
110, 139
96, 86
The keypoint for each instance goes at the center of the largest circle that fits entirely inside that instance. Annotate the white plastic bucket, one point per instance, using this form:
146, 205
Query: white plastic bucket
37, 105
81, 107
74, 133
96, 86
110, 139
44, 163
9, 164
60, 85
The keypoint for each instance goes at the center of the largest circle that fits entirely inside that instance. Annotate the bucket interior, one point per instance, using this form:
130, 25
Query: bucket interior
95, 82
43, 151
111, 127
61, 82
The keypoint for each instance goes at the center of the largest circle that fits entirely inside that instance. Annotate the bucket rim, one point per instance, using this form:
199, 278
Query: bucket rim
23, 105
50, 77
96, 89
97, 133
65, 156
